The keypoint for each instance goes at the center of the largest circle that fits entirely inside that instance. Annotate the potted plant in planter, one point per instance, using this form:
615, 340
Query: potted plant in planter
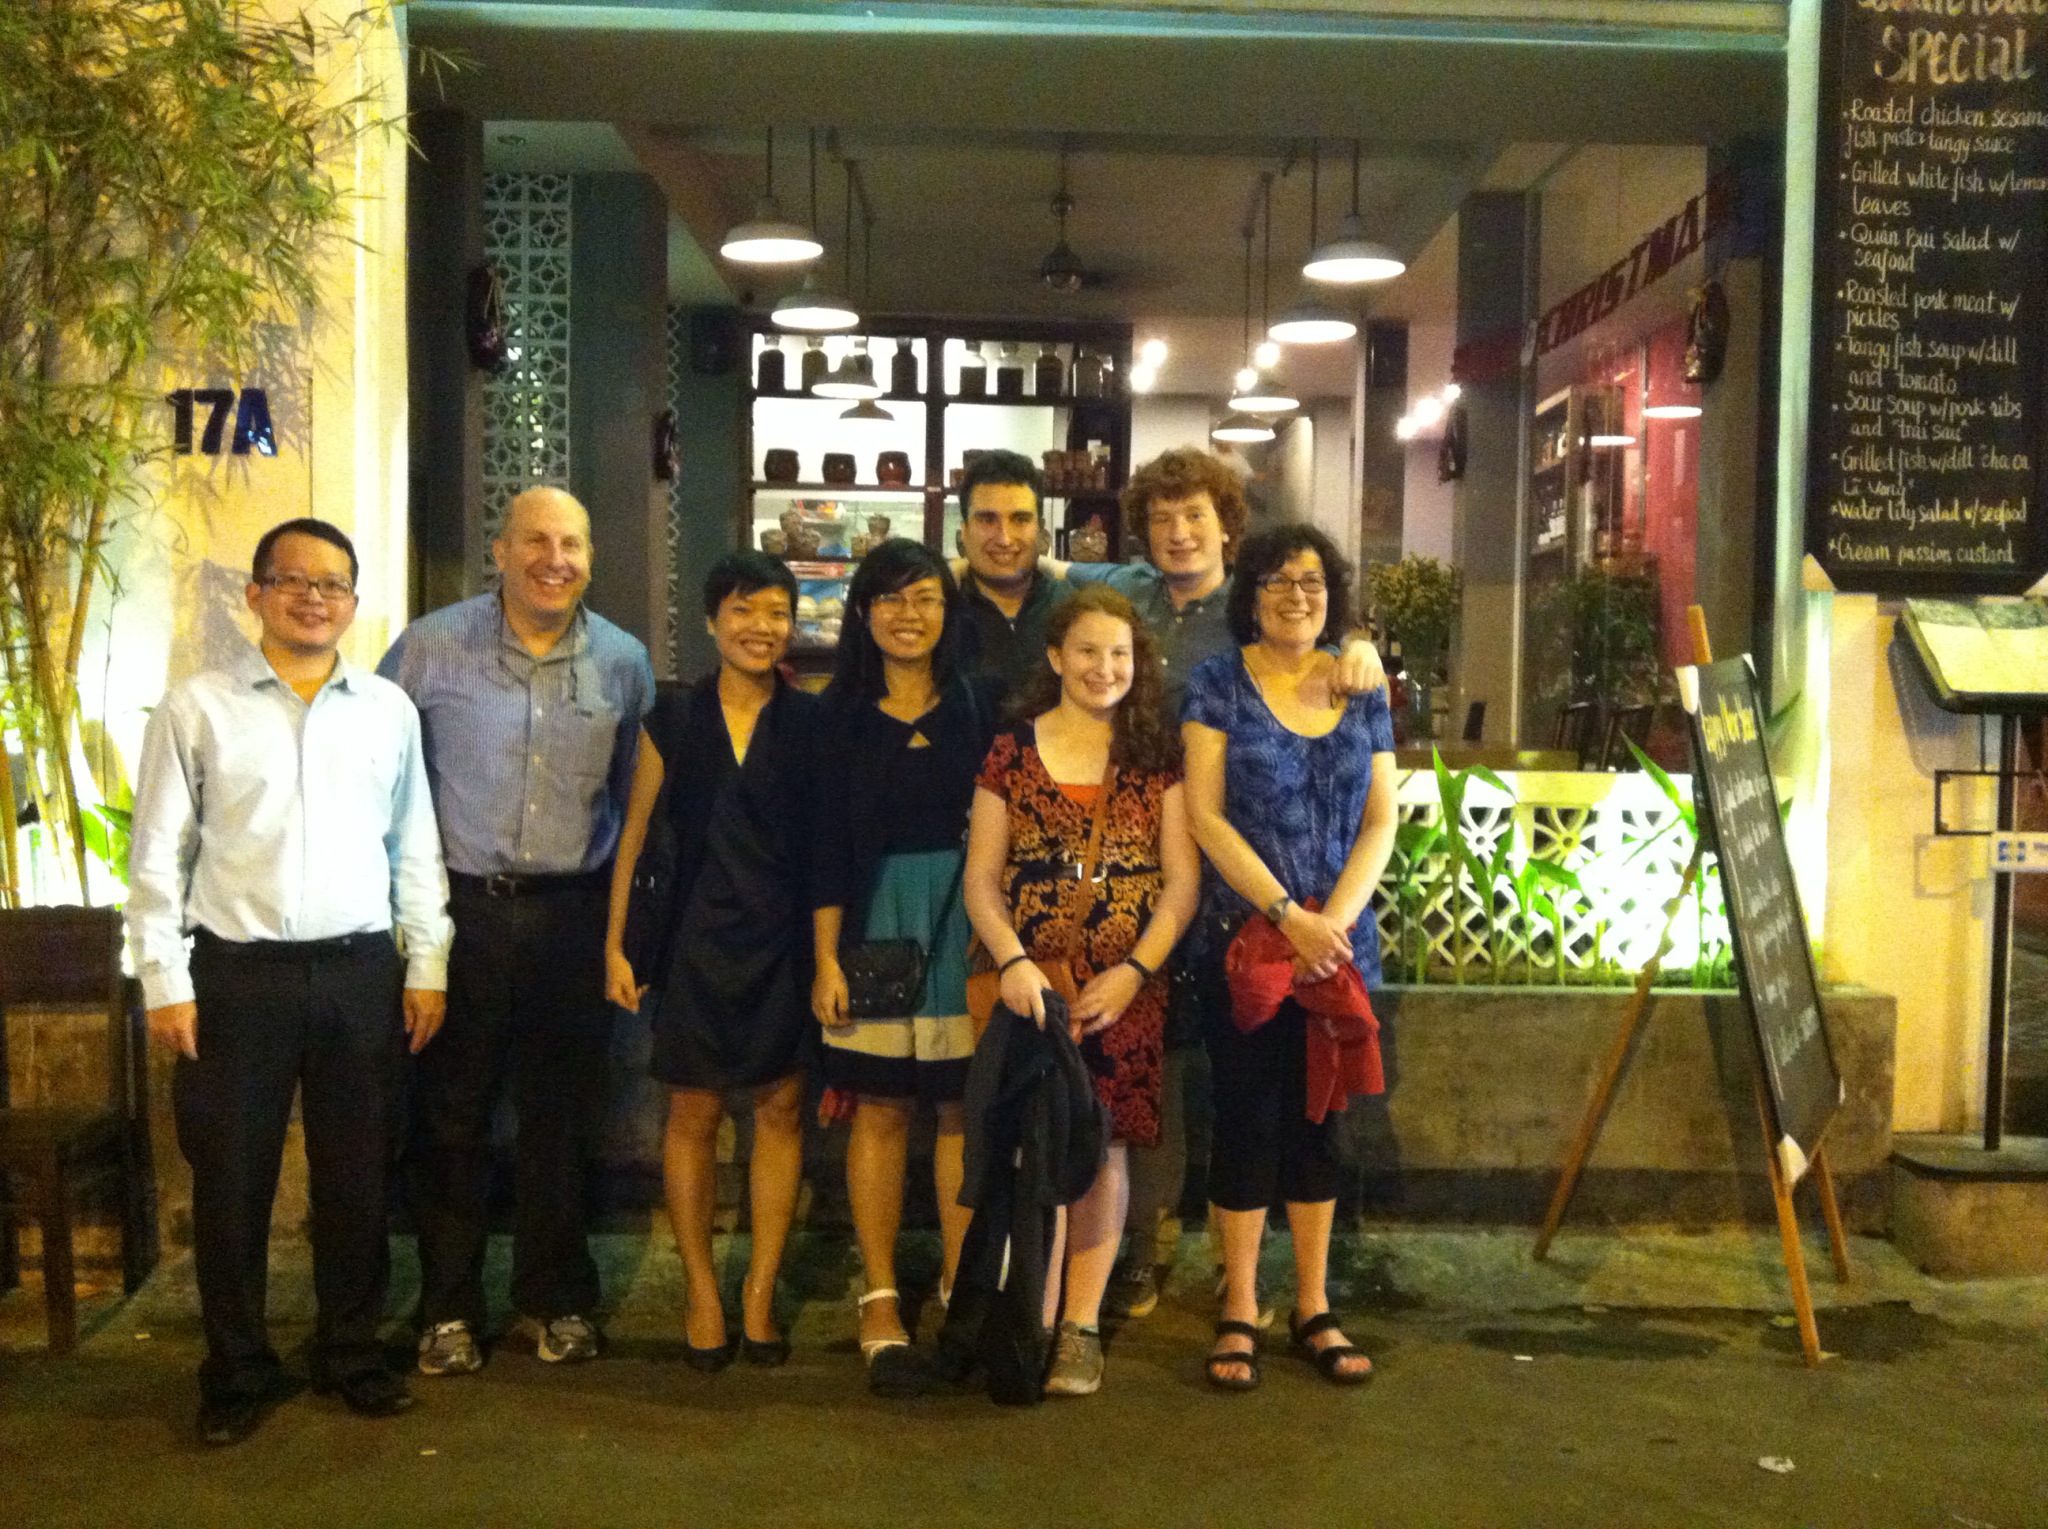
1417, 601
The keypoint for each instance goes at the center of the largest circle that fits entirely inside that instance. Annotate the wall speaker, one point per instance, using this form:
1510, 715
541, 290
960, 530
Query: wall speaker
714, 341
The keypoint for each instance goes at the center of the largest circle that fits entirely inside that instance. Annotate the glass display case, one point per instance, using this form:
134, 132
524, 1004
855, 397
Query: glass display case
831, 476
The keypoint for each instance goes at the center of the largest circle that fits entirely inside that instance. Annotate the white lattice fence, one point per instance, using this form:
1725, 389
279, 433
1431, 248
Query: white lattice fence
1620, 835
526, 403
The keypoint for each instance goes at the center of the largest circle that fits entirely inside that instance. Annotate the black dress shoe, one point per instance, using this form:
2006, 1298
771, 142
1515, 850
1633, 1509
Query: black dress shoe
231, 1420
708, 1360
372, 1393
764, 1354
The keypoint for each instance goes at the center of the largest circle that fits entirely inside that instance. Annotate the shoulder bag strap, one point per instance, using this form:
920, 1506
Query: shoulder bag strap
1090, 861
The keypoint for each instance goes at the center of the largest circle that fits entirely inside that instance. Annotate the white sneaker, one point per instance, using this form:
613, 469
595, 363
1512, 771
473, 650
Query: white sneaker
449, 1348
560, 1340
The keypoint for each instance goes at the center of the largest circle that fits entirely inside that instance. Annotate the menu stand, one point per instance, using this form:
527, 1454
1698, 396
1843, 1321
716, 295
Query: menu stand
1781, 1182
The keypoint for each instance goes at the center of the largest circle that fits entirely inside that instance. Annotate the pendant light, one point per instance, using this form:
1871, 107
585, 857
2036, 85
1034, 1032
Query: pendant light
1242, 427
1256, 392
768, 238
1351, 258
1310, 322
867, 411
808, 308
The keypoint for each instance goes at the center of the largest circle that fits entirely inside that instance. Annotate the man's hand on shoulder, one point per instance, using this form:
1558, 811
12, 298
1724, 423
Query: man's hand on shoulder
176, 1026
1359, 668
425, 1008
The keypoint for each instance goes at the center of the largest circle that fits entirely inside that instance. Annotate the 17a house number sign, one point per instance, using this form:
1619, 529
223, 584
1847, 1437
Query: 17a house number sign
251, 410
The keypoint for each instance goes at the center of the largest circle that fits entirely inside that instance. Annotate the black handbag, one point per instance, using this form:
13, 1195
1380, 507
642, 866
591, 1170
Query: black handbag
884, 978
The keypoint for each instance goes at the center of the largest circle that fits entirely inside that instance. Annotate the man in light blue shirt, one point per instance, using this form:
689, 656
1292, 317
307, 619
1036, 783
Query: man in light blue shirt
282, 821
531, 706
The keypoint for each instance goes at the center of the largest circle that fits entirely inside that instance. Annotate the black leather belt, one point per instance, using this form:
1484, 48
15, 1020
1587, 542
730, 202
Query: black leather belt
294, 950
507, 884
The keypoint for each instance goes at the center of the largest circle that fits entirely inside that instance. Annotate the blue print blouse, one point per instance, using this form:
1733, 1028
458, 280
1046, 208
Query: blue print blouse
1297, 801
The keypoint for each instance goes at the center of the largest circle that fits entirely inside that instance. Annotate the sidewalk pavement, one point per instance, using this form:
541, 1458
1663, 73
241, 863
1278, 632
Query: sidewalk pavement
1635, 1379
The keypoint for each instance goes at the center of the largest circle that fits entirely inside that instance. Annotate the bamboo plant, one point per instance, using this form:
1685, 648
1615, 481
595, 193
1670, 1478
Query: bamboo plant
169, 182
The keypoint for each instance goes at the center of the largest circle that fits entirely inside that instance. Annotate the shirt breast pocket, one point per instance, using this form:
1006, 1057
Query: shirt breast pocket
590, 737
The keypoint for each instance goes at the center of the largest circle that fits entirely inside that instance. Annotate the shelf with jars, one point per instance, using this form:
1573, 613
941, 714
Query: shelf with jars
831, 470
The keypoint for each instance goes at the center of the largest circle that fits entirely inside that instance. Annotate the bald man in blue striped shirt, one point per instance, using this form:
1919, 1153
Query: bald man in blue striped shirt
531, 706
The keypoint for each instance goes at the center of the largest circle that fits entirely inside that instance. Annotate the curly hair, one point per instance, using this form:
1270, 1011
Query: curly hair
1264, 554
897, 563
1141, 735
1178, 474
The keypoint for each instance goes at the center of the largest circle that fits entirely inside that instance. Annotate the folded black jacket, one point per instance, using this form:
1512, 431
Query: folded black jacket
1036, 1138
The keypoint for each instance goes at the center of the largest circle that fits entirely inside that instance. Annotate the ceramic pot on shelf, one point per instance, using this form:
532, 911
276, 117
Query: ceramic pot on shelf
839, 469
903, 369
771, 372
780, 465
892, 469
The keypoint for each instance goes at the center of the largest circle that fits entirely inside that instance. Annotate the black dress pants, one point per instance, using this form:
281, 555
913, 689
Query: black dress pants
526, 1009
322, 1020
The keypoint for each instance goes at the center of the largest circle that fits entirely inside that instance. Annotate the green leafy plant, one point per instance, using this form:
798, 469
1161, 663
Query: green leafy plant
170, 177
1613, 619
1417, 600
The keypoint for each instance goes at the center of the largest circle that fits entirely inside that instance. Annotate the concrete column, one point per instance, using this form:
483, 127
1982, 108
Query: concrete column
1496, 240
444, 243
711, 416
618, 362
1382, 398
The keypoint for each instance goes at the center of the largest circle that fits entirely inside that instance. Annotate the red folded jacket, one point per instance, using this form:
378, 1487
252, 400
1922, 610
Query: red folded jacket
1343, 1035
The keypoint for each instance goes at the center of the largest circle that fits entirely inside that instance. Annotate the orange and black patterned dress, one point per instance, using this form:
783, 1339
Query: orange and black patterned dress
1048, 841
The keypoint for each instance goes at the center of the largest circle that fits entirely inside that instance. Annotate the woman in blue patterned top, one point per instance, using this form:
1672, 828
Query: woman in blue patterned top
1291, 796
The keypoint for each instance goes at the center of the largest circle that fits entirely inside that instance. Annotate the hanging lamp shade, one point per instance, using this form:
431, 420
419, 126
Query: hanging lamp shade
813, 312
1242, 428
870, 412
1351, 258
769, 238
853, 377
1312, 323
1262, 395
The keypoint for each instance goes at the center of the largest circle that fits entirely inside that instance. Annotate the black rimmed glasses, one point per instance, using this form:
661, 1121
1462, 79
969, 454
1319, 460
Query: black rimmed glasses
296, 586
1310, 584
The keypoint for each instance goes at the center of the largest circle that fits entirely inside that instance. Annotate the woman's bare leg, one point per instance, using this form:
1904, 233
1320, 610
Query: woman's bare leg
771, 1187
689, 1177
1095, 1222
875, 1157
1239, 1232
1310, 1222
949, 1172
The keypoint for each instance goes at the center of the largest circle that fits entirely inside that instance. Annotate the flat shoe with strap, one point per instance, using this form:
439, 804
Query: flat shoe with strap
1329, 1357
1249, 1358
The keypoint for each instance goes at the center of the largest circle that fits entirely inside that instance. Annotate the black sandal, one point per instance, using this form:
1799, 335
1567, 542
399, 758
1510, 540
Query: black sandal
1249, 1358
1329, 1356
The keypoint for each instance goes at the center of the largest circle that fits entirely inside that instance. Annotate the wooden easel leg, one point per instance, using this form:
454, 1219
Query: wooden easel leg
1610, 1072
1788, 1236
1589, 1126
1831, 1212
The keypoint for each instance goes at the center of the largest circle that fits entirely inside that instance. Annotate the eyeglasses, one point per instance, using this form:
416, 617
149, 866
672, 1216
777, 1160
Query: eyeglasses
1309, 584
296, 585
924, 605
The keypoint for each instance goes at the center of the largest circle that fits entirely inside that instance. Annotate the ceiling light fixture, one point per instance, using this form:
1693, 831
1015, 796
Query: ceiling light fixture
1242, 428
1351, 259
769, 238
1673, 411
1310, 322
1152, 353
809, 309
1257, 393
868, 411
1609, 442
853, 377
1144, 378
1266, 355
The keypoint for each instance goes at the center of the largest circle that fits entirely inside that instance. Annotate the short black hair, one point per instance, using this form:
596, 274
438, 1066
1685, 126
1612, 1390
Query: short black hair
896, 564
1002, 467
746, 572
1263, 553
319, 530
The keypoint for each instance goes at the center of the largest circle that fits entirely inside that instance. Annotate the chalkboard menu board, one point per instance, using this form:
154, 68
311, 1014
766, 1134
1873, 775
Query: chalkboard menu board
1930, 294
1773, 956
